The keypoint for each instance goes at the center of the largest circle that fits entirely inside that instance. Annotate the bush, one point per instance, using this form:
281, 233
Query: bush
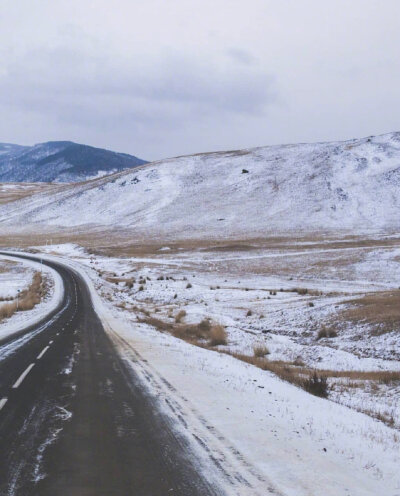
179, 316
7, 310
260, 350
188, 285
249, 313
217, 335
204, 325
316, 385
324, 332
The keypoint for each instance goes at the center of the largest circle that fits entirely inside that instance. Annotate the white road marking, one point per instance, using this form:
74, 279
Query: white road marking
3, 402
57, 333
23, 375
42, 352
51, 342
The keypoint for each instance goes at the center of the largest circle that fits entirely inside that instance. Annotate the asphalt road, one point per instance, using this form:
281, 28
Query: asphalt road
74, 420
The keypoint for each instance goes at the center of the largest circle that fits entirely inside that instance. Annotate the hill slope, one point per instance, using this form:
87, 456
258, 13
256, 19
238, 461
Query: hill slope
351, 186
60, 161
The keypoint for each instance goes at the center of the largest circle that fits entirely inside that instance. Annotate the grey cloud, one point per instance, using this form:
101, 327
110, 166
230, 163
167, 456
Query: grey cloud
71, 85
241, 56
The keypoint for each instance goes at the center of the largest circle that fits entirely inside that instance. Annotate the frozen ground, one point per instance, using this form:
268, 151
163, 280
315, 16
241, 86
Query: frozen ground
287, 439
17, 275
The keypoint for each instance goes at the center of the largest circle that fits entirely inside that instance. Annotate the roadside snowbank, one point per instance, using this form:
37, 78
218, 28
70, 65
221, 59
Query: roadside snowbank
21, 320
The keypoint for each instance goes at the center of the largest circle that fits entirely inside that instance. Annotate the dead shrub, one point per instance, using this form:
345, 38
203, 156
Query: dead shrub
217, 336
260, 350
326, 332
316, 385
7, 310
204, 325
179, 316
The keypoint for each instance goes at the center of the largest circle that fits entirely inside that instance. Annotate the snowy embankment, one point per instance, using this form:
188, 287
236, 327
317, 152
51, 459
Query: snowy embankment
21, 320
249, 430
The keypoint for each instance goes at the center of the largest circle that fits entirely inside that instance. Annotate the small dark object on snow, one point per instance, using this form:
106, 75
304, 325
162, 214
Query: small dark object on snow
245, 171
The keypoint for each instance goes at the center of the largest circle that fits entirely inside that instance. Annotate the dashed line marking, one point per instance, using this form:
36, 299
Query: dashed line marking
42, 352
3, 401
23, 375
51, 342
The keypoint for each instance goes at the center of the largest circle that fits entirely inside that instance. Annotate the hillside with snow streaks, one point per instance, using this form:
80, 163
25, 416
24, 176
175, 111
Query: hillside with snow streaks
352, 185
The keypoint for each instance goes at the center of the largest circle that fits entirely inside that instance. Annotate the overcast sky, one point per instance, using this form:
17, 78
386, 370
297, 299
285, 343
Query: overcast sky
159, 78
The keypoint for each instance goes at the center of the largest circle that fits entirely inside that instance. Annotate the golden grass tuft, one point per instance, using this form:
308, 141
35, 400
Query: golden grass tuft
260, 350
217, 335
179, 316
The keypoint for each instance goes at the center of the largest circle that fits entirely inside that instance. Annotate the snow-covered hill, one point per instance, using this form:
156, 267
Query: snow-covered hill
352, 185
60, 161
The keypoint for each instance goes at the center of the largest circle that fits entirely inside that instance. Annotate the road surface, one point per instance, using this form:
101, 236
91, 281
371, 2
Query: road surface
73, 419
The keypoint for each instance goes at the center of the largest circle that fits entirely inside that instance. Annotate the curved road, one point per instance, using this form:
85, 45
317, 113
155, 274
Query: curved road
73, 419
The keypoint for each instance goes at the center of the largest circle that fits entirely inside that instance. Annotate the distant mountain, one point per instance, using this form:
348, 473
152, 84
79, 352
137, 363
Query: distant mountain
351, 186
60, 161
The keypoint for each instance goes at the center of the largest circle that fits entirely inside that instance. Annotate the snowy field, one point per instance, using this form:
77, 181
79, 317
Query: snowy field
280, 300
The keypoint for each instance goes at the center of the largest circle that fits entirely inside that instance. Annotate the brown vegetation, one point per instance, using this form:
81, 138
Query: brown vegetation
217, 335
179, 316
260, 350
326, 332
381, 310
27, 299
205, 333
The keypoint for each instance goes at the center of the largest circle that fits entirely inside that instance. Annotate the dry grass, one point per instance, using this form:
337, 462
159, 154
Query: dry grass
204, 334
27, 300
326, 332
260, 350
217, 335
381, 310
117, 280
19, 191
179, 316
315, 381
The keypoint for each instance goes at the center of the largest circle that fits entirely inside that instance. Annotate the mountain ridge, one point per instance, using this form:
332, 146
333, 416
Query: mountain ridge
60, 161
